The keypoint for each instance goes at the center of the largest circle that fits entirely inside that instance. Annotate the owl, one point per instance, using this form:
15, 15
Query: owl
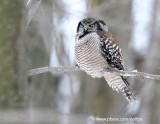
96, 49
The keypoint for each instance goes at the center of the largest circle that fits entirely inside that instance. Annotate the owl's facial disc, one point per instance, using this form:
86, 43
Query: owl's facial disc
89, 27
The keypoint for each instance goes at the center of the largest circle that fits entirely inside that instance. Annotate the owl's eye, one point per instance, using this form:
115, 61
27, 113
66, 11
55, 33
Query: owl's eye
82, 26
91, 26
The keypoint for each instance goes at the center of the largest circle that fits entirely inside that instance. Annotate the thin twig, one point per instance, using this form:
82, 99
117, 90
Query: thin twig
75, 68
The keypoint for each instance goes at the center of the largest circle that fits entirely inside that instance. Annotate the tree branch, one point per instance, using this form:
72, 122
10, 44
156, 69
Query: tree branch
142, 75
50, 69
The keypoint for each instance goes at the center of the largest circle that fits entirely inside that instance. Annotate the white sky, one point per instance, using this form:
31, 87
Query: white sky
142, 12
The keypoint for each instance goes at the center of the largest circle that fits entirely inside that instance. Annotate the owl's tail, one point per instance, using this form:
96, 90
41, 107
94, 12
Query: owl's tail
120, 84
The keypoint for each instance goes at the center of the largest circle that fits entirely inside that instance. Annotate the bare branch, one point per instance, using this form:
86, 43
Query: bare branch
75, 68
32, 7
142, 75
50, 69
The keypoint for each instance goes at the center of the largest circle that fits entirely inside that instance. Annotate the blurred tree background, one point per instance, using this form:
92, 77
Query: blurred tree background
10, 30
38, 33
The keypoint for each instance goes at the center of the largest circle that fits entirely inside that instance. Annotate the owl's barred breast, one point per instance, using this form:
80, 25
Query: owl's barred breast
87, 55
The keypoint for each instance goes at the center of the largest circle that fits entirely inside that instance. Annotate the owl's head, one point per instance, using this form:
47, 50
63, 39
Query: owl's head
88, 25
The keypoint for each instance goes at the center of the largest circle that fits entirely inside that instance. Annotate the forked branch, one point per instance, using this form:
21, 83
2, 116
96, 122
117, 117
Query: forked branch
75, 68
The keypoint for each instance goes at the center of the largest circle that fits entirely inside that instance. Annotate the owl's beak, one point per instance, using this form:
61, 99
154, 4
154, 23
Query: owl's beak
85, 28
